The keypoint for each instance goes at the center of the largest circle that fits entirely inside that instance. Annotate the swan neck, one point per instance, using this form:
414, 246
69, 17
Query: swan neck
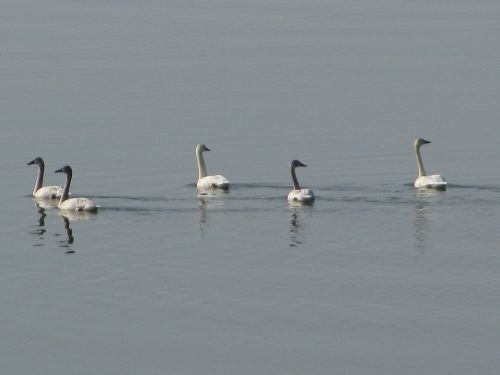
420, 164
296, 185
65, 193
202, 169
39, 178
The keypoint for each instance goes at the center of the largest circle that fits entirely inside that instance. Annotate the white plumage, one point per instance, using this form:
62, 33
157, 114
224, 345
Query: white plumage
209, 182
44, 192
302, 195
204, 181
78, 204
73, 204
435, 181
298, 194
48, 192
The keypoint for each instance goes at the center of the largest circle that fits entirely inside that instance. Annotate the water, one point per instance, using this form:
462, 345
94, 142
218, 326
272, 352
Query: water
373, 278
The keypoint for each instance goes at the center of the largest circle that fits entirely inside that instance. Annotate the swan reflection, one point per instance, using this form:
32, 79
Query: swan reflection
46, 204
296, 229
205, 203
424, 199
211, 192
42, 207
67, 217
48, 208
202, 209
420, 227
67, 243
40, 230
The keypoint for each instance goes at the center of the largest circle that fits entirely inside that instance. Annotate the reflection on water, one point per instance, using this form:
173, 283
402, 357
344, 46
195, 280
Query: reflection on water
77, 216
42, 206
71, 216
420, 226
43, 209
202, 209
67, 243
211, 192
207, 202
296, 227
424, 197
47, 204
40, 228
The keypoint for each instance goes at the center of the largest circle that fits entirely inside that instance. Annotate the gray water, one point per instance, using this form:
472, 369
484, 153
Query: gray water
374, 278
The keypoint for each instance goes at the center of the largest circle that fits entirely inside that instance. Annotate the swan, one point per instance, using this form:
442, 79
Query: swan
204, 181
73, 204
435, 181
44, 192
298, 194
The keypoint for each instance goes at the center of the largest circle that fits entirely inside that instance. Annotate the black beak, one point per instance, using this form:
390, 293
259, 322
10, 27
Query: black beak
207, 149
58, 171
31, 162
425, 141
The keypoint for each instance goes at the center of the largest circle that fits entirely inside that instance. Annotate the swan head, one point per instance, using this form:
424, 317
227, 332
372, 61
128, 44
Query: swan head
66, 169
296, 163
37, 161
201, 148
420, 141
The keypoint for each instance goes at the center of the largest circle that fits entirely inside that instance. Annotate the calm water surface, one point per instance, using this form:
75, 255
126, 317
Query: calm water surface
373, 278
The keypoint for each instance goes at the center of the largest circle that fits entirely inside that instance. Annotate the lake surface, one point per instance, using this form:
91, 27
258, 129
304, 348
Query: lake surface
375, 277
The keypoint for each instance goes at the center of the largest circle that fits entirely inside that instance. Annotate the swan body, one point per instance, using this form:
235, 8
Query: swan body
44, 192
435, 181
302, 195
204, 181
73, 204
78, 204
48, 192
210, 182
298, 194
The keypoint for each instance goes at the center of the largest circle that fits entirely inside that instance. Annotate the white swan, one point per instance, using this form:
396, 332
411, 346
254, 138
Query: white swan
435, 181
73, 204
298, 194
44, 192
204, 181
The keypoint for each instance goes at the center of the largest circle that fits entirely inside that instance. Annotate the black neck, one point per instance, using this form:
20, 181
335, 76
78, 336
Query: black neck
65, 193
296, 185
39, 179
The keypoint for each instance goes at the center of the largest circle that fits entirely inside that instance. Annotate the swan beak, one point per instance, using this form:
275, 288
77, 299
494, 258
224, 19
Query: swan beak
207, 149
425, 141
31, 162
58, 171
302, 165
